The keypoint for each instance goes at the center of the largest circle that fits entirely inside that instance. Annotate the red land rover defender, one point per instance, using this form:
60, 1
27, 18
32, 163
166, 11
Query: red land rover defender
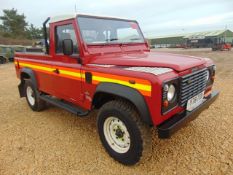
104, 63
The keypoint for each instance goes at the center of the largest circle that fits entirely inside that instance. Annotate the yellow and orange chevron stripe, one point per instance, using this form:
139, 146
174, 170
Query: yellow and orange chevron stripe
143, 86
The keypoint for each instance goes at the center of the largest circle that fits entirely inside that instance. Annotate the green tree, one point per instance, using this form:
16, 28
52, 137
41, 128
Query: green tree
34, 32
1, 29
13, 24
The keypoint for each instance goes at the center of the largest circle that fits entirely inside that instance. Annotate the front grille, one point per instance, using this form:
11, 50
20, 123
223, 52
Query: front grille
191, 85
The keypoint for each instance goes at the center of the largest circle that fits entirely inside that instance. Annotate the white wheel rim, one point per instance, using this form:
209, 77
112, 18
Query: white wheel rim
116, 134
30, 96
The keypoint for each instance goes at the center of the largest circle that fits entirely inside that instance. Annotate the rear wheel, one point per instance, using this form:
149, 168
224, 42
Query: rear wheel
32, 96
122, 133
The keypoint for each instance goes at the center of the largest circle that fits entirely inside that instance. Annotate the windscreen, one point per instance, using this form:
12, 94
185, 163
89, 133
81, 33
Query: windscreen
104, 31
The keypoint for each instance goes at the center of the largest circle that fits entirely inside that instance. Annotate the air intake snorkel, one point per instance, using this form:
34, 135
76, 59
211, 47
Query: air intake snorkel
45, 35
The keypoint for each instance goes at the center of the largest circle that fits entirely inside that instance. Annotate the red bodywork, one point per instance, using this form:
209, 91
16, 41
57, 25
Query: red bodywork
76, 91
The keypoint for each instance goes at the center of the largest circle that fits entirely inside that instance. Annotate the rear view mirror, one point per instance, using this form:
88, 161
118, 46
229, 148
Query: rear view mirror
67, 46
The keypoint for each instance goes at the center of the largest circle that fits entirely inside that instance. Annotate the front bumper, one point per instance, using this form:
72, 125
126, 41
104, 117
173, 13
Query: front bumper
170, 126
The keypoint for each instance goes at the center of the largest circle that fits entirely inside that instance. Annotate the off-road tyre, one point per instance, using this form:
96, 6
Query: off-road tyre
140, 134
37, 104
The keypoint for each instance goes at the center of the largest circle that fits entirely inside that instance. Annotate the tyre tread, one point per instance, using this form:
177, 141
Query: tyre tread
145, 130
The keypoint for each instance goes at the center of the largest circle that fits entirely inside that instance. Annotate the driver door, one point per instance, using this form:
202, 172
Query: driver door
67, 74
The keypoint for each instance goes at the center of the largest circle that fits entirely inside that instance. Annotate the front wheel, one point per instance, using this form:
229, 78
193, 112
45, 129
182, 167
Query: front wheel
122, 133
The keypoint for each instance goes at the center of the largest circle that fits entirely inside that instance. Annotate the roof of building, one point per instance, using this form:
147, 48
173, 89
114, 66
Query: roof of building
196, 34
74, 15
206, 33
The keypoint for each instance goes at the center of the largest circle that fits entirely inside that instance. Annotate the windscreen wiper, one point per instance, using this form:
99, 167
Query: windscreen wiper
112, 39
133, 39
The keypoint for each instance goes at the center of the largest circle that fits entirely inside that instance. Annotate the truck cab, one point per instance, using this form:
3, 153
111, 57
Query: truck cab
95, 62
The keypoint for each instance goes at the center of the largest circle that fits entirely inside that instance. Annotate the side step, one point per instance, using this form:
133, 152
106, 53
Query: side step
64, 105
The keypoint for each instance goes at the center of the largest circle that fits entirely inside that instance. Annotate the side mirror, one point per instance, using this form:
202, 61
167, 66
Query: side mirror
67, 47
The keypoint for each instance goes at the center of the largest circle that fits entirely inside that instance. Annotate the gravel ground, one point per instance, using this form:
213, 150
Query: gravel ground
57, 142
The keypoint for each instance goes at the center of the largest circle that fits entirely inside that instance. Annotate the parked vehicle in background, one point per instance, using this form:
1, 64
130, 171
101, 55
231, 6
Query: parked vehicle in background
7, 52
95, 62
16, 48
220, 44
34, 49
3, 59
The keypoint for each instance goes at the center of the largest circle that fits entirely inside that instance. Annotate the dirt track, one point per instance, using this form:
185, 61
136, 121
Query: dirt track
57, 142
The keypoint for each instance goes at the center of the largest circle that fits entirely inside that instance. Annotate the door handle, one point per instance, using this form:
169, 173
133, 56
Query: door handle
56, 71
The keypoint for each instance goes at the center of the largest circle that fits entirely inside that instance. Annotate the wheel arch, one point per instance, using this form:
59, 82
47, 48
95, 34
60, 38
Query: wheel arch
26, 73
109, 91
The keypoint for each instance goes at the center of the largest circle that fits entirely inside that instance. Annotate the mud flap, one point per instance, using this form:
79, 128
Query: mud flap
21, 89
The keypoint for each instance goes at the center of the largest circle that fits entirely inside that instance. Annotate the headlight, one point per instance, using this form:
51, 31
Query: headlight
171, 92
210, 75
207, 75
214, 67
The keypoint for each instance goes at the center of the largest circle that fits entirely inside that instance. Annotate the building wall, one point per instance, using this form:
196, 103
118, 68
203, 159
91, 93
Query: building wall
228, 35
169, 42
229, 40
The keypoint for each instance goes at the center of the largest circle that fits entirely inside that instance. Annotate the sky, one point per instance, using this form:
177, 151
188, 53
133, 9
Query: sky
156, 18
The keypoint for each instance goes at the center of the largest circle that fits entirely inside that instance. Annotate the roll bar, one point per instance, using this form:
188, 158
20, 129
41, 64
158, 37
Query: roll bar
45, 35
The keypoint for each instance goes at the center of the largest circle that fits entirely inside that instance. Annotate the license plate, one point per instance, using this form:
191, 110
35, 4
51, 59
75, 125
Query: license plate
195, 101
